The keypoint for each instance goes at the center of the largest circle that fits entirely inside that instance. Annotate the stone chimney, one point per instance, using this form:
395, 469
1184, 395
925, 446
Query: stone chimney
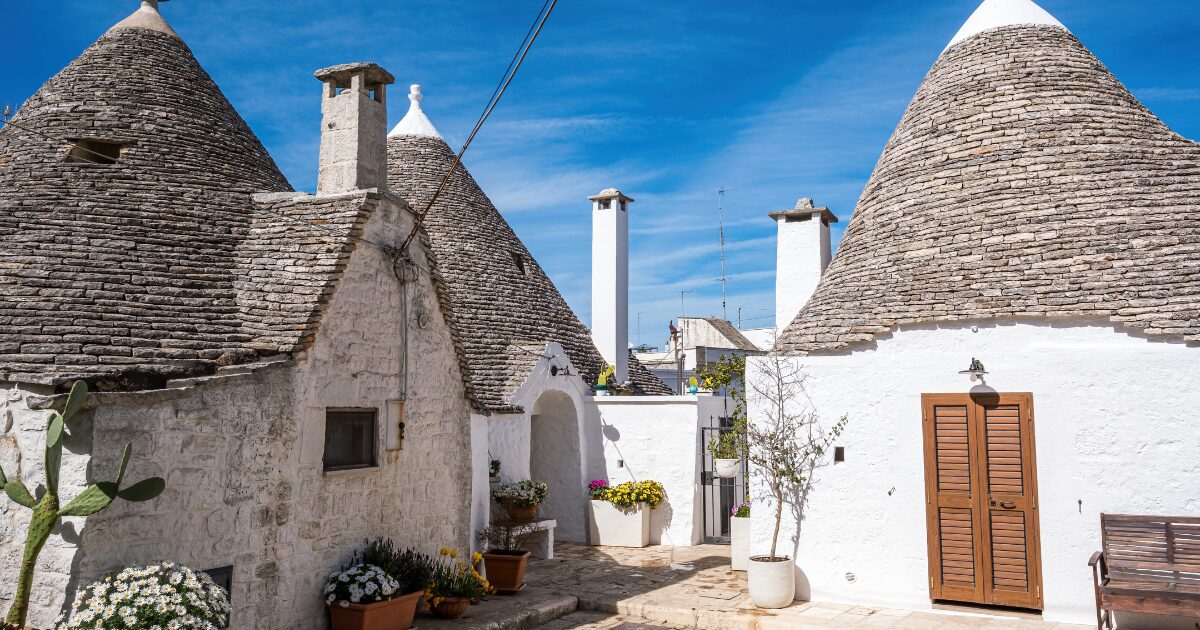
353, 127
803, 253
610, 278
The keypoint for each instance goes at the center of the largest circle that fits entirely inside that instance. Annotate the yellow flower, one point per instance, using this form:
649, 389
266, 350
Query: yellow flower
476, 557
445, 551
453, 553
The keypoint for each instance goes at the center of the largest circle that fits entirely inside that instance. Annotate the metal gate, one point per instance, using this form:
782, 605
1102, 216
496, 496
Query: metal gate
719, 496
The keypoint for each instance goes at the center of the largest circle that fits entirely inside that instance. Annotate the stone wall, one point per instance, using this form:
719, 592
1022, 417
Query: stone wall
242, 453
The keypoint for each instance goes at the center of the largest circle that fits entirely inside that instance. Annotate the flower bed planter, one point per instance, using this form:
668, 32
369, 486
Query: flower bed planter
393, 614
614, 527
739, 543
451, 607
519, 513
506, 570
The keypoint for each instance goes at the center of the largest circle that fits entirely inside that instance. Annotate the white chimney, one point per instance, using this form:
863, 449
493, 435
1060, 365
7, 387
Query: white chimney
610, 278
353, 127
803, 253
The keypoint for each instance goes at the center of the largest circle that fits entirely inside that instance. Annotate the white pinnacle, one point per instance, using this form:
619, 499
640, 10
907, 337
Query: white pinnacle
415, 122
996, 13
147, 17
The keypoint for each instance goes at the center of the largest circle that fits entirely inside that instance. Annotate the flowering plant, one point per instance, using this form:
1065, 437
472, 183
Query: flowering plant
165, 595
527, 493
741, 510
360, 584
629, 494
455, 578
598, 488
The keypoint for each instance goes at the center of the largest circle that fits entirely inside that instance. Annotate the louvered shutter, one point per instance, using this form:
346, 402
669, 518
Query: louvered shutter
954, 558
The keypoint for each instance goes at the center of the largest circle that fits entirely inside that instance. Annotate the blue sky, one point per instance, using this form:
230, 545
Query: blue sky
668, 101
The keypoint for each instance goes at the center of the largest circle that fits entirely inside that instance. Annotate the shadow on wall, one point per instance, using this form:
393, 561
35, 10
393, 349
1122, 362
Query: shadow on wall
661, 518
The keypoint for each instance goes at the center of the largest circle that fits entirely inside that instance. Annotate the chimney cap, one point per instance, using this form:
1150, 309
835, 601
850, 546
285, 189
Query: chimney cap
804, 210
610, 193
340, 75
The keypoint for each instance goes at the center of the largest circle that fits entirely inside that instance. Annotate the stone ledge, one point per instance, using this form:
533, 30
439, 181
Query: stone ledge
530, 609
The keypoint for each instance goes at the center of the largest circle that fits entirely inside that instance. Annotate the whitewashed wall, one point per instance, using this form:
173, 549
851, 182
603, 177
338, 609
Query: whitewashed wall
1115, 420
242, 458
656, 437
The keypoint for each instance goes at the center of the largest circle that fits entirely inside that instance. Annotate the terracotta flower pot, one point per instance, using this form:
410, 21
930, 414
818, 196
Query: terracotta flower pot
451, 608
506, 570
519, 513
393, 614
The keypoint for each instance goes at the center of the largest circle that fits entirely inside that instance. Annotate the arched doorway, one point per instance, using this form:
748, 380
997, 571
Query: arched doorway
555, 458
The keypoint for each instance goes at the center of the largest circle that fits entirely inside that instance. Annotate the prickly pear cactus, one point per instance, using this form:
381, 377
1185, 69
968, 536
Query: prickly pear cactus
49, 509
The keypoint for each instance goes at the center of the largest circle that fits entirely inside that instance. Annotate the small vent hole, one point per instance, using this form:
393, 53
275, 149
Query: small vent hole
91, 151
519, 261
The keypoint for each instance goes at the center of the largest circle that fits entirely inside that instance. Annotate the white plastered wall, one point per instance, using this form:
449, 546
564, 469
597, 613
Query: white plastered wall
1115, 432
657, 437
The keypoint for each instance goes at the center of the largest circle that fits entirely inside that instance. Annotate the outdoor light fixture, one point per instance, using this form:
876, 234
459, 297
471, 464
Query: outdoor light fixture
976, 370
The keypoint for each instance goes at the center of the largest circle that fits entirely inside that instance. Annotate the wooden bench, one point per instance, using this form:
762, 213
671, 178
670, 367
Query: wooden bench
1149, 564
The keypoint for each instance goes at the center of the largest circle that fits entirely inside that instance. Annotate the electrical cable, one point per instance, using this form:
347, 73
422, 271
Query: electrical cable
497, 94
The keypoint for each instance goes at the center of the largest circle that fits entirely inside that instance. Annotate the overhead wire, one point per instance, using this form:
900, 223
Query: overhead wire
509, 74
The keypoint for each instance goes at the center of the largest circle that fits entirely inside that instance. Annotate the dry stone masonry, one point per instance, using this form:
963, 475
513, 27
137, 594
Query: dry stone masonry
1024, 180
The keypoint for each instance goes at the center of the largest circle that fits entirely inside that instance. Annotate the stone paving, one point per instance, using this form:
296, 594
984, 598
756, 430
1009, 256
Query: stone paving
687, 587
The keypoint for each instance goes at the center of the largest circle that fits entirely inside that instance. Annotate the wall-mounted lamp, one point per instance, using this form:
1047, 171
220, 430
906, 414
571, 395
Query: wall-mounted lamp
976, 370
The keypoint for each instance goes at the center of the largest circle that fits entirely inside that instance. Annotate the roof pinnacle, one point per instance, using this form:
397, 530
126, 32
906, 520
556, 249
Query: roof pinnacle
997, 13
146, 17
415, 122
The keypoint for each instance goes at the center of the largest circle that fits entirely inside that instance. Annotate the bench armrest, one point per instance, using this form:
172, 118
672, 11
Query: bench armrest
1095, 558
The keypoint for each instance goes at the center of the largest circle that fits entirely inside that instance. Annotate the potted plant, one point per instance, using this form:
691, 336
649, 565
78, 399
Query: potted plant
454, 584
619, 516
46, 508
505, 556
785, 445
726, 451
183, 598
602, 388
521, 499
363, 597
411, 570
729, 448
494, 471
739, 537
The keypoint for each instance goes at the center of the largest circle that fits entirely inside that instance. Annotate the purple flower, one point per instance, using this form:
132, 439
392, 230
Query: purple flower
598, 488
741, 510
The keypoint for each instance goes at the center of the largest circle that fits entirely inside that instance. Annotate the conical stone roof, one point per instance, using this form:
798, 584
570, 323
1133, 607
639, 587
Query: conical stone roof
500, 311
1024, 181
131, 265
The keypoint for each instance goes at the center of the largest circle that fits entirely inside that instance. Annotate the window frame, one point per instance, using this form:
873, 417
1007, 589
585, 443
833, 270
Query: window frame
330, 412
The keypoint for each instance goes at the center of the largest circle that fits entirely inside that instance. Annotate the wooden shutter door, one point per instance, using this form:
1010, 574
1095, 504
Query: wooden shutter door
981, 491
955, 560
1010, 511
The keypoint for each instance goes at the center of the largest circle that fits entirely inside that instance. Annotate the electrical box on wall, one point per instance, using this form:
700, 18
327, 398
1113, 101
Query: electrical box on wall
394, 425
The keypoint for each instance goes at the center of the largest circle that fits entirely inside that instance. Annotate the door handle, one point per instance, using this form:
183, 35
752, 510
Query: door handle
1008, 505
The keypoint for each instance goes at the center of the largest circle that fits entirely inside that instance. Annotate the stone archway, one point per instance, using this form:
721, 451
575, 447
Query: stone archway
555, 457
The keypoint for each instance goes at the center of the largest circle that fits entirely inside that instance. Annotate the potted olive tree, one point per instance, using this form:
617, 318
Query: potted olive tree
786, 443
505, 554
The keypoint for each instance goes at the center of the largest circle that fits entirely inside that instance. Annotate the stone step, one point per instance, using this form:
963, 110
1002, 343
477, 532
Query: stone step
532, 608
601, 621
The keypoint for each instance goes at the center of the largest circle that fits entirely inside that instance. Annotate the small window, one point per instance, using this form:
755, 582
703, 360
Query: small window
90, 151
350, 436
839, 454
224, 578
519, 261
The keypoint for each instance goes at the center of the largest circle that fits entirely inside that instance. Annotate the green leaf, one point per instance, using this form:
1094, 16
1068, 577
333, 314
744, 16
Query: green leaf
124, 462
92, 500
19, 493
54, 431
53, 465
144, 490
75, 399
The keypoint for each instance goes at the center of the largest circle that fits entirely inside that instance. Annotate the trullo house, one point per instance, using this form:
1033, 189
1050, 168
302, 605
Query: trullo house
300, 382
1030, 213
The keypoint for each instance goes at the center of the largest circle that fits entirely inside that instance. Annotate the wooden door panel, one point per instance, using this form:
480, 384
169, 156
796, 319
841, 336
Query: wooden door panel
982, 495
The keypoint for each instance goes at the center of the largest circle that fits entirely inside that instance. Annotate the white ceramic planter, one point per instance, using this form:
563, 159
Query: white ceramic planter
610, 526
727, 468
739, 543
772, 584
